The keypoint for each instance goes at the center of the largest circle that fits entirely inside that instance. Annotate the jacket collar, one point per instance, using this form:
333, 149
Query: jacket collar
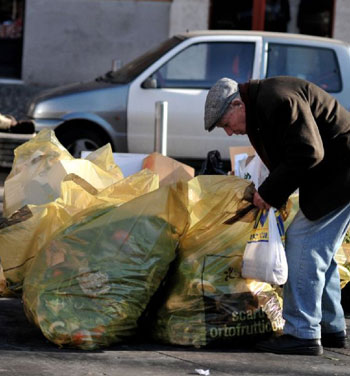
248, 93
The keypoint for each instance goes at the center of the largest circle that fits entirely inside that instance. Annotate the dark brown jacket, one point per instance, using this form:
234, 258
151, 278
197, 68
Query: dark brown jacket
303, 135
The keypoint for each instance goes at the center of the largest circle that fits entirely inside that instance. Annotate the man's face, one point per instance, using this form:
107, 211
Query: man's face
234, 119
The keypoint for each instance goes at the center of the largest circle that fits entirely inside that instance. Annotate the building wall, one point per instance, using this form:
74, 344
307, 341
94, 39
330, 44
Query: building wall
188, 15
341, 24
76, 40
67, 41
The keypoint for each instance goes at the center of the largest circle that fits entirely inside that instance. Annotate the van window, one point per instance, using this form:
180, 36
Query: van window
132, 69
318, 65
201, 65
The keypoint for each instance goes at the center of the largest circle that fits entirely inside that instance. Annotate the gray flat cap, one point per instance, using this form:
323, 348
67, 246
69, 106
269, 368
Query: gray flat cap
219, 97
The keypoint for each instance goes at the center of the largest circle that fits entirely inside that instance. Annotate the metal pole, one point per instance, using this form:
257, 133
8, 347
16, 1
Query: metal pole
161, 128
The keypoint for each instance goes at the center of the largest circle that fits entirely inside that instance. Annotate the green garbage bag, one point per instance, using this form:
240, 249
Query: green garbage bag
206, 300
88, 286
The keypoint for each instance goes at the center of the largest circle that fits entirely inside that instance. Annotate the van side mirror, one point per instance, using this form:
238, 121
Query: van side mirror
150, 83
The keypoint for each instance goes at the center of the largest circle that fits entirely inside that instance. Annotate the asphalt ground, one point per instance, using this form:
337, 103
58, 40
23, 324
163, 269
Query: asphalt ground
25, 352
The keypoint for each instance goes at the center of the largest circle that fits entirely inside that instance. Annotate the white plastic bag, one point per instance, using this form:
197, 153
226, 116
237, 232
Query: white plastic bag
264, 258
254, 171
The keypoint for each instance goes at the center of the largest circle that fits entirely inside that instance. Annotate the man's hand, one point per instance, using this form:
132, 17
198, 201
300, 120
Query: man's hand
259, 201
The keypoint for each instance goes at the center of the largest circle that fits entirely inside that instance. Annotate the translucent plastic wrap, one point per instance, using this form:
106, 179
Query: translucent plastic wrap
40, 166
207, 302
88, 287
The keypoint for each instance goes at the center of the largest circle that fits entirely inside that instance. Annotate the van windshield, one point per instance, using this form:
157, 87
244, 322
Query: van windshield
132, 69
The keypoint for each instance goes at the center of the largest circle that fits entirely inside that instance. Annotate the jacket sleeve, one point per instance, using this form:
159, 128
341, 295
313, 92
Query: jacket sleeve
301, 150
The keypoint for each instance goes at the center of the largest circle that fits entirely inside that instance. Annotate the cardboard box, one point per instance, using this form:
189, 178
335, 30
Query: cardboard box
169, 170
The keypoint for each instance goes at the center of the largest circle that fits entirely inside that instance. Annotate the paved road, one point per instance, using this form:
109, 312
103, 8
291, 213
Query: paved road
25, 352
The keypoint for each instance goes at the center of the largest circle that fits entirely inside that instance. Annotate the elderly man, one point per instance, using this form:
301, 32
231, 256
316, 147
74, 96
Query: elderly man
302, 134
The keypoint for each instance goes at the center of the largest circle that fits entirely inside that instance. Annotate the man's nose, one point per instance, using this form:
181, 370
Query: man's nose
228, 131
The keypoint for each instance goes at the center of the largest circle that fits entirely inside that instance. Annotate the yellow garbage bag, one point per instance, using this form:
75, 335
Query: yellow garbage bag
89, 285
207, 302
292, 208
30, 228
103, 158
41, 164
342, 258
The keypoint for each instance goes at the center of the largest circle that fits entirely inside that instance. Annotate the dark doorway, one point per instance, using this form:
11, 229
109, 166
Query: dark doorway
11, 38
231, 15
277, 15
315, 17
239, 15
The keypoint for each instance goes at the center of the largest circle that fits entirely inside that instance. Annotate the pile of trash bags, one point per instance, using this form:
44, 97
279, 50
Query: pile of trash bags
98, 257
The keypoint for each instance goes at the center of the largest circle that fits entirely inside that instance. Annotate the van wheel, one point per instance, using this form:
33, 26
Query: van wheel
81, 140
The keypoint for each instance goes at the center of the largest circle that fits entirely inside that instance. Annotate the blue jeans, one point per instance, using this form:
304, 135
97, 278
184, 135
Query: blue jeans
312, 295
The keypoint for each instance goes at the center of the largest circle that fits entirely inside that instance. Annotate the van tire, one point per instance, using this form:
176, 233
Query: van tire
78, 140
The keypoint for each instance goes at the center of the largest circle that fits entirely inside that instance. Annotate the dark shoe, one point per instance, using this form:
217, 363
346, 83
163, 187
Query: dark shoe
336, 340
287, 344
